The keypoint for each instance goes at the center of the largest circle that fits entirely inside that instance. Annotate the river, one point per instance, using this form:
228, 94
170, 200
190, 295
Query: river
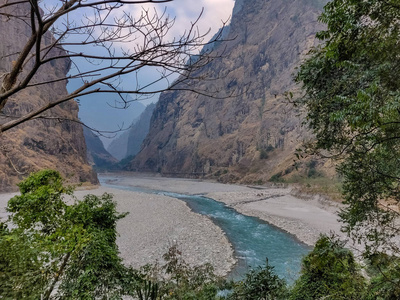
253, 240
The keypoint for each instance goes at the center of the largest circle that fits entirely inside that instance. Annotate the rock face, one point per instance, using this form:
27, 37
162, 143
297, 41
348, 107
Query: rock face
97, 155
250, 137
129, 143
119, 145
43, 143
139, 131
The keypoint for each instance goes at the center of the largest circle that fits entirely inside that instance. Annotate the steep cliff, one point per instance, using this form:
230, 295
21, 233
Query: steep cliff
252, 136
43, 143
97, 155
139, 131
119, 145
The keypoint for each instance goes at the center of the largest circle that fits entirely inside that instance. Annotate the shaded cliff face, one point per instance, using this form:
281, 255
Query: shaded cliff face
139, 131
246, 138
97, 155
119, 145
44, 143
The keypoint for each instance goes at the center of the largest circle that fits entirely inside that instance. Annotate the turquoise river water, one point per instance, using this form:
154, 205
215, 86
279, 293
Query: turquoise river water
253, 240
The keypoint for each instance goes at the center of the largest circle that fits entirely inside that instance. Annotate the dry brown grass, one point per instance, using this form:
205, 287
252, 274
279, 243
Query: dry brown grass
328, 187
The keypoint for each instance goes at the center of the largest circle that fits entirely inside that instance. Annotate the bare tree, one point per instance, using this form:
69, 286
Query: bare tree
112, 42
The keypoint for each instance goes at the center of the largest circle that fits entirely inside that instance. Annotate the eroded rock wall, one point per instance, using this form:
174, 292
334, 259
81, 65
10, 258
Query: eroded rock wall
53, 142
250, 137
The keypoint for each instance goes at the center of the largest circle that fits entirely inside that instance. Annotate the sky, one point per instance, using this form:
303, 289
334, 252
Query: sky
97, 112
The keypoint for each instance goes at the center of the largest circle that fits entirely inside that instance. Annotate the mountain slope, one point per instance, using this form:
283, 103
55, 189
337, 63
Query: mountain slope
246, 138
119, 145
139, 131
97, 155
44, 143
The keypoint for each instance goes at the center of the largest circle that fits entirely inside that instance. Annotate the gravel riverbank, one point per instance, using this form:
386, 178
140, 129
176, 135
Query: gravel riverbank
304, 218
156, 222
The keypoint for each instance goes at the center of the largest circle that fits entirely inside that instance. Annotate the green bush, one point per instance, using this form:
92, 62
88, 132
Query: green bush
329, 272
277, 177
263, 154
51, 249
177, 280
385, 277
260, 283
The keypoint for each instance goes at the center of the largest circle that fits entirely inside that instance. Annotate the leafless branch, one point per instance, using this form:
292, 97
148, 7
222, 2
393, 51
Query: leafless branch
113, 43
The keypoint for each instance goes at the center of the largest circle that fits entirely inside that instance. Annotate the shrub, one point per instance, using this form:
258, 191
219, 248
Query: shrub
260, 283
263, 154
277, 177
330, 272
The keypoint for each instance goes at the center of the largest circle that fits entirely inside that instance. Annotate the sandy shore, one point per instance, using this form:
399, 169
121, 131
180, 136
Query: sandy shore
304, 218
156, 222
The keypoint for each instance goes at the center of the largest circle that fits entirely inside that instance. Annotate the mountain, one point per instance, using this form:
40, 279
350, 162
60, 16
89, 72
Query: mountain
119, 145
54, 142
97, 155
249, 137
139, 130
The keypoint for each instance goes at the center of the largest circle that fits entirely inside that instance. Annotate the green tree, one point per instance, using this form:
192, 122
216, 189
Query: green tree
177, 280
260, 284
51, 249
384, 271
329, 272
351, 86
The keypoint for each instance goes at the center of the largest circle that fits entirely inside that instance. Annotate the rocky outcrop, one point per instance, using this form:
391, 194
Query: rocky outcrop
254, 135
52, 142
97, 155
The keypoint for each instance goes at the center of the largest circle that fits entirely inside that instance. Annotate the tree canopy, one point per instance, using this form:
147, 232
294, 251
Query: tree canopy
352, 106
51, 249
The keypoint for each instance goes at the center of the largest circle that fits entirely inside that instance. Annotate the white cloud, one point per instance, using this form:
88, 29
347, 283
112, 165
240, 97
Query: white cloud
215, 12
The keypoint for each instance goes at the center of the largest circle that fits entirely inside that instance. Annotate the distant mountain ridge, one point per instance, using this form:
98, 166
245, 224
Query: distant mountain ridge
119, 145
139, 131
246, 138
129, 142
97, 155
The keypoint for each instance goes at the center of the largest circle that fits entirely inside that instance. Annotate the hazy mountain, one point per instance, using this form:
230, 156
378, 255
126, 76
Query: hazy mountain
97, 155
119, 145
139, 130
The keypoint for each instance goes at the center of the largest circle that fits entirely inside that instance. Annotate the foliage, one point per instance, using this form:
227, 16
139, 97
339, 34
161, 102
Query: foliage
329, 271
263, 154
259, 284
352, 94
178, 280
277, 177
48, 243
385, 272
